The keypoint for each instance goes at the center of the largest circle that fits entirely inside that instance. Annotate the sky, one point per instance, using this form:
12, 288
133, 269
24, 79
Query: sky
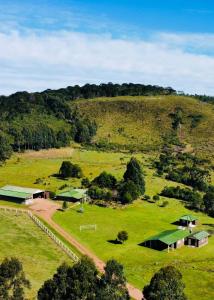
57, 43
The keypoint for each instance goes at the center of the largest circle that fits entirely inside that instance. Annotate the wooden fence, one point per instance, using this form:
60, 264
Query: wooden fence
70, 253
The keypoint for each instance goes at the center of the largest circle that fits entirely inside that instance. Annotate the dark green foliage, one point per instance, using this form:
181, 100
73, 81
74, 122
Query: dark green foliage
85, 182
74, 283
105, 180
12, 280
166, 284
97, 193
209, 201
192, 197
64, 205
112, 285
190, 175
195, 120
5, 148
134, 173
147, 197
177, 118
81, 282
128, 192
68, 169
84, 130
122, 236
156, 197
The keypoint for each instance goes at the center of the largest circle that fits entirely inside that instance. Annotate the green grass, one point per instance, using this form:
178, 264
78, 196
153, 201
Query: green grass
142, 220
141, 122
21, 238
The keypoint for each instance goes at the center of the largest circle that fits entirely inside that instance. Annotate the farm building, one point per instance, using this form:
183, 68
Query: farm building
72, 195
169, 239
188, 221
198, 239
21, 194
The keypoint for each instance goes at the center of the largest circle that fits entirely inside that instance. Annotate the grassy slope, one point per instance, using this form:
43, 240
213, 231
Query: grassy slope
143, 220
21, 238
144, 120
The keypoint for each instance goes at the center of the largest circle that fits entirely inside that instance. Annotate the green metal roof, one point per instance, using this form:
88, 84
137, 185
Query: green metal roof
13, 194
21, 189
189, 218
74, 193
170, 236
200, 235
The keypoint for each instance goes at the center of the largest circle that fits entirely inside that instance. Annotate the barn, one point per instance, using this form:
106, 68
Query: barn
188, 221
169, 239
21, 194
198, 239
72, 195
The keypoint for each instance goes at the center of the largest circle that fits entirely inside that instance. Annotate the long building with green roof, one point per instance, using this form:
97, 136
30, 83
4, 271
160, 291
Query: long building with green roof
170, 239
72, 195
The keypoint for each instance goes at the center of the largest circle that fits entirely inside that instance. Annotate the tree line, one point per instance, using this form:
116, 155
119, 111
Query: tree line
82, 281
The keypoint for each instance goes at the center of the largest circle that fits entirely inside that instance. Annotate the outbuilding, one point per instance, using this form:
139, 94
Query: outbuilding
188, 221
72, 195
198, 239
169, 239
21, 194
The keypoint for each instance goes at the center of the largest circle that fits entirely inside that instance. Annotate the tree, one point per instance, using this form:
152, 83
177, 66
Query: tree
128, 192
5, 148
209, 202
105, 180
64, 205
165, 284
112, 285
12, 280
85, 182
68, 169
122, 236
71, 282
134, 173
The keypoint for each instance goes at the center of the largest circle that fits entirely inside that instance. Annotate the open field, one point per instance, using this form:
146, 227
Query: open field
142, 220
21, 238
24, 169
142, 122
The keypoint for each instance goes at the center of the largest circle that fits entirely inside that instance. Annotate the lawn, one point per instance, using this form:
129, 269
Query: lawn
142, 220
21, 238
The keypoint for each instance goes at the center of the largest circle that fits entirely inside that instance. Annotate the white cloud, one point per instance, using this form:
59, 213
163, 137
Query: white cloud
36, 61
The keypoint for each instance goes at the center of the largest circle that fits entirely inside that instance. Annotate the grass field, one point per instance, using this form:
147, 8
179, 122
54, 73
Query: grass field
142, 220
141, 122
21, 238
24, 169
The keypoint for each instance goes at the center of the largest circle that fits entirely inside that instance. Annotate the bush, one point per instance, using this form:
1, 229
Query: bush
68, 169
85, 182
147, 197
156, 197
122, 236
165, 203
105, 180
128, 192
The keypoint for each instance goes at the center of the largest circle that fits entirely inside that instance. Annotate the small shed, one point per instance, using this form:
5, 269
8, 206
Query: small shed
171, 239
20, 194
73, 195
188, 221
198, 239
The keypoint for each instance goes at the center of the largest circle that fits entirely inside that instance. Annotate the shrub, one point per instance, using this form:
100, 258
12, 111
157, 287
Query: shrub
105, 180
68, 169
156, 197
122, 236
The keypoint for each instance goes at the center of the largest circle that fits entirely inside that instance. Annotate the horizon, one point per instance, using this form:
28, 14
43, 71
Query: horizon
54, 44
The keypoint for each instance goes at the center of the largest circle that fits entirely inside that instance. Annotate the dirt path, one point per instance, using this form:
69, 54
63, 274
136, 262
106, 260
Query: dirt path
45, 209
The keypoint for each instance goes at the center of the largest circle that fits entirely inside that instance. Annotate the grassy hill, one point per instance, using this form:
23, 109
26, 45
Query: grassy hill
143, 123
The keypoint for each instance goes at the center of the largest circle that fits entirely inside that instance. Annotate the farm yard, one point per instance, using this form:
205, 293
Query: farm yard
21, 238
141, 220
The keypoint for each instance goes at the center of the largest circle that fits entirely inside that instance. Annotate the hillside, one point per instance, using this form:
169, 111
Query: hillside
145, 123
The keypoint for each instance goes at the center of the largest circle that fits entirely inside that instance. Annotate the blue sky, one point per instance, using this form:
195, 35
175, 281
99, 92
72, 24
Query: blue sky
51, 44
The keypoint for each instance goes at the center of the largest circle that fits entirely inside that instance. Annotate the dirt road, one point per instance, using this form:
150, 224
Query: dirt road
45, 209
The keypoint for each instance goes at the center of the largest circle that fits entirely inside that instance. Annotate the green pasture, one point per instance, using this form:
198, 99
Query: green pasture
142, 220
21, 238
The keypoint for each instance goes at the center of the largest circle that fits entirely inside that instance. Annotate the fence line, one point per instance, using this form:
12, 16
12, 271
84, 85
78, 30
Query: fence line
70, 253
